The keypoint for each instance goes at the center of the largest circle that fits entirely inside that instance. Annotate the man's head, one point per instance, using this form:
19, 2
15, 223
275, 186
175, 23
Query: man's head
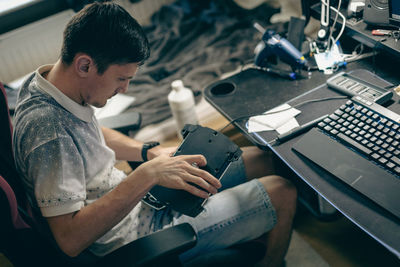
108, 34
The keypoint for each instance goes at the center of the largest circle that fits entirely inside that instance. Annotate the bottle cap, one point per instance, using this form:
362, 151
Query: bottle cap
177, 85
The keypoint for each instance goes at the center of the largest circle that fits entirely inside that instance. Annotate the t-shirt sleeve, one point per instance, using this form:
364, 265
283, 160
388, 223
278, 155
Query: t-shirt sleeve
59, 179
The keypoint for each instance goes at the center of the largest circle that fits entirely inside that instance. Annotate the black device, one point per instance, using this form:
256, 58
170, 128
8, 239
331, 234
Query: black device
359, 144
124, 122
394, 13
323, 33
351, 86
219, 152
376, 12
300, 129
296, 32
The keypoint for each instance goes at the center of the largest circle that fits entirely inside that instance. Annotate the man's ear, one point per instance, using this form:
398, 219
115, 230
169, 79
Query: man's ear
83, 65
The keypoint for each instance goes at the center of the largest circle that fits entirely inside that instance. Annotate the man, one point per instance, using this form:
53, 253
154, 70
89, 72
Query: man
67, 161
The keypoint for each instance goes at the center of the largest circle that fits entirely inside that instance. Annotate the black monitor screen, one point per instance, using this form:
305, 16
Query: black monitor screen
394, 9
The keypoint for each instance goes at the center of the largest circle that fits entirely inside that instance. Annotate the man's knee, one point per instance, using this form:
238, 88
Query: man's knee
282, 192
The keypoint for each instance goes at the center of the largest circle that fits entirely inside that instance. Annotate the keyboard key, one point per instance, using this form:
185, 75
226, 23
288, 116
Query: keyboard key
396, 160
386, 130
390, 165
349, 103
334, 132
387, 155
364, 142
354, 144
382, 160
339, 112
333, 117
375, 156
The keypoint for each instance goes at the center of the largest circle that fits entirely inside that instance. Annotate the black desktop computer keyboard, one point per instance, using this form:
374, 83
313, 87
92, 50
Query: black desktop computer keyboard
371, 132
359, 144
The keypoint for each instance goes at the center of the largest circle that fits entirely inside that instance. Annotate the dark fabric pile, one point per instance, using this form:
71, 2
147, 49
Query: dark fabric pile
195, 41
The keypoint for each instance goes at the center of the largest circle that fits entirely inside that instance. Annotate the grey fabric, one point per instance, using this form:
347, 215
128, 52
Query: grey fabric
195, 41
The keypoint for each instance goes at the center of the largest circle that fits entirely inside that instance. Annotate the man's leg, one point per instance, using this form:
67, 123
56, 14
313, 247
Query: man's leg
283, 196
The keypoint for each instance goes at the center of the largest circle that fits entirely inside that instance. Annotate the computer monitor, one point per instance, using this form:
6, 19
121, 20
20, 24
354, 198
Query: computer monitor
394, 12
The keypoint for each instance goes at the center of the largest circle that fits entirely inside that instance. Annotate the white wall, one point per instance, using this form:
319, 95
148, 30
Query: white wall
25, 49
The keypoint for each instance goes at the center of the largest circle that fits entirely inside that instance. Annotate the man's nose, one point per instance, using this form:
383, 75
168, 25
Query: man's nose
125, 87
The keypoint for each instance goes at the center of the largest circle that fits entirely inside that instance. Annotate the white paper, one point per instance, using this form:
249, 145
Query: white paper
291, 124
114, 106
273, 119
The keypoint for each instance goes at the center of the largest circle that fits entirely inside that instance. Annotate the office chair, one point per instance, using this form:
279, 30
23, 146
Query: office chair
24, 244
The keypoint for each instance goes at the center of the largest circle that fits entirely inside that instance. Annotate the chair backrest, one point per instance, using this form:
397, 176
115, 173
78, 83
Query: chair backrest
19, 241
9, 182
7, 165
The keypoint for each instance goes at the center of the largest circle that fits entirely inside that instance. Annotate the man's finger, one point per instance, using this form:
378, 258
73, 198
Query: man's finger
206, 176
202, 183
196, 191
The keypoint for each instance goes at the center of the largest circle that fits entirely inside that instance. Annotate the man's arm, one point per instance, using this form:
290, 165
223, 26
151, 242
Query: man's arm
126, 148
75, 232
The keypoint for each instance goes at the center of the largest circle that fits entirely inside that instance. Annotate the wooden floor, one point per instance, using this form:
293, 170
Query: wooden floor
340, 243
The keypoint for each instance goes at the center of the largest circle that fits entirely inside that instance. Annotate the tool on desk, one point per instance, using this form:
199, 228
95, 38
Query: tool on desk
299, 130
274, 47
380, 32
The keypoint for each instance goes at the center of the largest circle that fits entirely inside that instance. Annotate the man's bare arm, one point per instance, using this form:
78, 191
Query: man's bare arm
129, 149
75, 232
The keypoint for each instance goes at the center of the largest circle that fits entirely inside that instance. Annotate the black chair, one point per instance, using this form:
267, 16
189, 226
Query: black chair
26, 245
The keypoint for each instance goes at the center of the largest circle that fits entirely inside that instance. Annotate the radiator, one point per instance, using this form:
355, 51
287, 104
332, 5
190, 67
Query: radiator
25, 49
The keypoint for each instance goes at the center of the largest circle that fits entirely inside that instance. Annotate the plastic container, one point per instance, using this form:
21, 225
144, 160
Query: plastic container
181, 102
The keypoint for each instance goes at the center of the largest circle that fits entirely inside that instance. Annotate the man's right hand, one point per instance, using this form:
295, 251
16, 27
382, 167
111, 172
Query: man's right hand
180, 172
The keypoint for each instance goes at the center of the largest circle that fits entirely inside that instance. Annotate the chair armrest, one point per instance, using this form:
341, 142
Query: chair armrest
161, 246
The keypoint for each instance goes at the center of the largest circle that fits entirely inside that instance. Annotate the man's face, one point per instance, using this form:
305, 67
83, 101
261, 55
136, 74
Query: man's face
113, 81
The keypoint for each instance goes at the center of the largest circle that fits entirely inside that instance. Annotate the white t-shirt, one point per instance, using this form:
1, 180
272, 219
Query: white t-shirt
64, 162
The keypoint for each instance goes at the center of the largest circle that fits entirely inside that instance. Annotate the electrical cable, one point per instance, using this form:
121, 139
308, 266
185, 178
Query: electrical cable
334, 24
343, 23
273, 112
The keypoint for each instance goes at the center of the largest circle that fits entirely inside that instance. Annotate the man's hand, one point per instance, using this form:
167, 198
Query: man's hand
160, 150
181, 172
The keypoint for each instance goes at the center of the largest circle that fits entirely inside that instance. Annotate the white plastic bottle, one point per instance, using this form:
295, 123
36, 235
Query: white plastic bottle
181, 102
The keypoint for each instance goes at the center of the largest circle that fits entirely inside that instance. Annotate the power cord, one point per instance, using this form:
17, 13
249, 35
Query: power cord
273, 112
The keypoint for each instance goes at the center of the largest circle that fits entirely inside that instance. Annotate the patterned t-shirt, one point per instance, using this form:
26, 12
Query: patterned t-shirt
64, 162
